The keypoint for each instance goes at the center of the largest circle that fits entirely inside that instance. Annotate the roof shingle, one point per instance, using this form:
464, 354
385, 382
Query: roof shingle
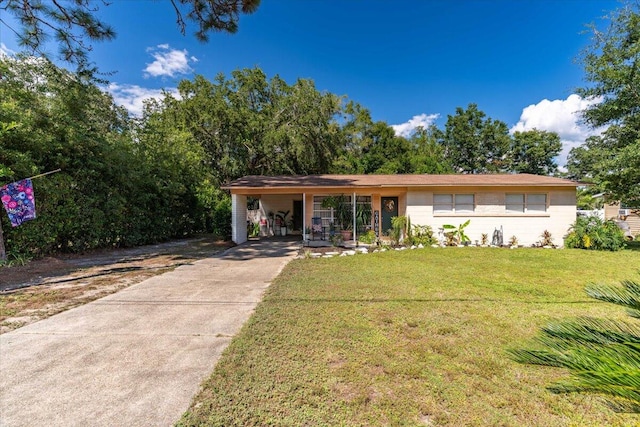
325, 181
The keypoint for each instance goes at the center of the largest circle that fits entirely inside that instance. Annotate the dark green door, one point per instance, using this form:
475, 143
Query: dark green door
389, 210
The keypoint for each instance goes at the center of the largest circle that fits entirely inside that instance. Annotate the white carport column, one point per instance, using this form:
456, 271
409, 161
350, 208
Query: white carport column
238, 218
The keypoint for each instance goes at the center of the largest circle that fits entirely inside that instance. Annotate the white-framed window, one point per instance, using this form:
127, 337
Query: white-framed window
453, 203
326, 214
514, 203
529, 203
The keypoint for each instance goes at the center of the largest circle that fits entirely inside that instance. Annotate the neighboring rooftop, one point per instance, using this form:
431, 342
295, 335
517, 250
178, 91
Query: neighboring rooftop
298, 181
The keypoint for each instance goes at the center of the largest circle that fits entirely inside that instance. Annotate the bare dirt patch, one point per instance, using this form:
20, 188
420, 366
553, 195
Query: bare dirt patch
50, 285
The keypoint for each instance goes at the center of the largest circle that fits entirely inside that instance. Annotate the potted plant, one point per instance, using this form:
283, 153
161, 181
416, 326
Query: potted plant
282, 219
344, 213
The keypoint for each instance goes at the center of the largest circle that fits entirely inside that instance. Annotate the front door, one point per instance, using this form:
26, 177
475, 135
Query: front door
297, 214
389, 210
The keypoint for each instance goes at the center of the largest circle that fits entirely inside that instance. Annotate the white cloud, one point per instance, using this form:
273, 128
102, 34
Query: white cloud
131, 97
407, 128
168, 62
561, 116
5, 51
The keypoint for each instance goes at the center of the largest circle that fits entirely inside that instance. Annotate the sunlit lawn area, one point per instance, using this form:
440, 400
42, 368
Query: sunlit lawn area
411, 338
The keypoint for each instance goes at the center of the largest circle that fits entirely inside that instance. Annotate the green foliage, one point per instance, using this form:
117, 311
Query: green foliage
399, 228
74, 24
121, 184
586, 201
603, 356
590, 232
421, 235
475, 143
458, 232
612, 160
343, 210
14, 260
534, 152
254, 229
222, 218
369, 237
363, 216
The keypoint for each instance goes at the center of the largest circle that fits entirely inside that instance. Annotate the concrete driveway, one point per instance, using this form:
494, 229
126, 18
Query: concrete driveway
136, 357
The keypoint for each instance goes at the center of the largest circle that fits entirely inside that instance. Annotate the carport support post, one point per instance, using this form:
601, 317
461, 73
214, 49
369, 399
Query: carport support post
238, 218
355, 201
304, 217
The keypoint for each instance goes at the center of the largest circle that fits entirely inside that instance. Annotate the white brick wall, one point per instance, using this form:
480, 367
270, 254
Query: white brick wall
490, 214
238, 218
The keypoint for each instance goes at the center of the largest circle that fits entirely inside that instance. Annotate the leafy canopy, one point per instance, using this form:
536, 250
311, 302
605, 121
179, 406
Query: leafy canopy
75, 24
612, 161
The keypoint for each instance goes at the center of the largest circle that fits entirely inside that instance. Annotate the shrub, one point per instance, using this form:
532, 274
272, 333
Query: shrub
423, 234
547, 239
591, 232
602, 356
369, 237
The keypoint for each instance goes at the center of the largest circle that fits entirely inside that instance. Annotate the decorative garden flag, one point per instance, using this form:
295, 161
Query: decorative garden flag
19, 201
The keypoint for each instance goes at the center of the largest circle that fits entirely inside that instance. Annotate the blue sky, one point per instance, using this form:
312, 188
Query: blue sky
409, 62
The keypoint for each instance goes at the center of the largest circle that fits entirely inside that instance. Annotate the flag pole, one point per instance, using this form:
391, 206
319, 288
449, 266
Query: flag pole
44, 174
3, 252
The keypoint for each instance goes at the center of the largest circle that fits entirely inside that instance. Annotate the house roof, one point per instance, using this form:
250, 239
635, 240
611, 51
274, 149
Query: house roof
368, 181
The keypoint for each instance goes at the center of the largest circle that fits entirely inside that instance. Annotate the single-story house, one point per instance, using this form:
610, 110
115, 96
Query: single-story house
623, 214
520, 205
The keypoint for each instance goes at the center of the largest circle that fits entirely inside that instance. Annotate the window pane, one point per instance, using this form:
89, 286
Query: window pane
464, 199
537, 203
464, 203
514, 202
515, 199
537, 199
464, 208
439, 199
442, 203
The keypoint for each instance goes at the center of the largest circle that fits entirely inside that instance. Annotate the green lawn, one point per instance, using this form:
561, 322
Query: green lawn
411, 338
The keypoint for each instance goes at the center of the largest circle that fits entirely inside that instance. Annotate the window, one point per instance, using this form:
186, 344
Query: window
325, 213
453, 203
530, 203
536, 202
514, 203
328, 215
253, 203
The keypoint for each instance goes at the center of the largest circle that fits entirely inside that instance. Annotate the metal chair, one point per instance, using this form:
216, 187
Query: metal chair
317, 228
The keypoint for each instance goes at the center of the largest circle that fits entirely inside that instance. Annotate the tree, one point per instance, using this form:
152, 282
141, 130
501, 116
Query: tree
75, 26
249, 125
428, 151
534, 152
118, 185
602, 356
474, 143
611, 62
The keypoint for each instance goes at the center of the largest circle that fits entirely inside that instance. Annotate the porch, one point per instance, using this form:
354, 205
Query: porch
315, 218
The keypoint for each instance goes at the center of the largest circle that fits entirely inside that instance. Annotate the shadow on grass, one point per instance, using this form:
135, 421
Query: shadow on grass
633, 246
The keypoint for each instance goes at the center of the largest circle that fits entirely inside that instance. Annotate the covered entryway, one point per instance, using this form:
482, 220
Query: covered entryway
266, 215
